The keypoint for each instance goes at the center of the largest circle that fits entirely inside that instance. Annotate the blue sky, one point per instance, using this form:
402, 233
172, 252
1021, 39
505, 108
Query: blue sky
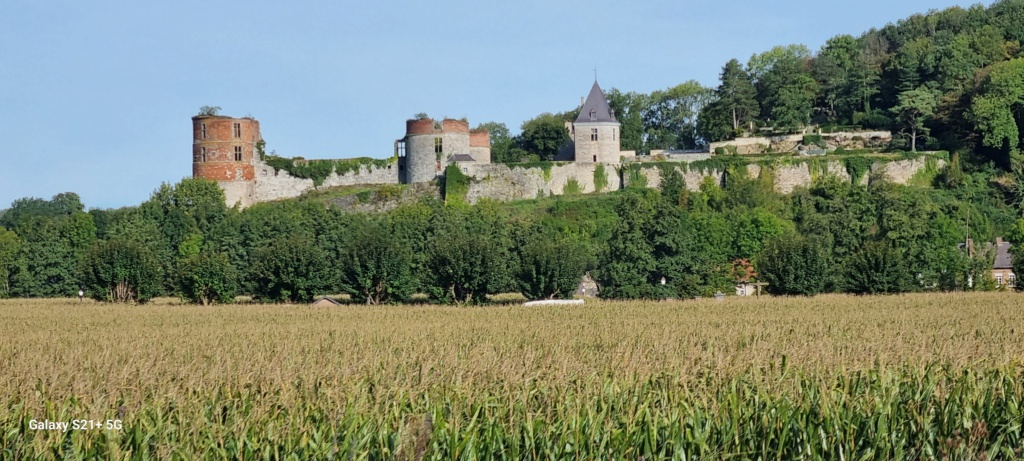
96, 97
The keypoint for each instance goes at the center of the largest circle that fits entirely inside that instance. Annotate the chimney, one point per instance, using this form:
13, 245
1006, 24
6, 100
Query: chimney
999, 241
581, 101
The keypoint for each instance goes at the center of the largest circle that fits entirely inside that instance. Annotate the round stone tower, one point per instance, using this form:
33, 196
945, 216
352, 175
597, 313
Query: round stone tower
430, 145
223, 150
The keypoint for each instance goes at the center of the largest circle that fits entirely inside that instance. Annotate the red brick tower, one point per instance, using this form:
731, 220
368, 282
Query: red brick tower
223, 149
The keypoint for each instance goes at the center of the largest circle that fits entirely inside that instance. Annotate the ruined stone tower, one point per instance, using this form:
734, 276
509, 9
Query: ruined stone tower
596, 131
428, 147
223, 150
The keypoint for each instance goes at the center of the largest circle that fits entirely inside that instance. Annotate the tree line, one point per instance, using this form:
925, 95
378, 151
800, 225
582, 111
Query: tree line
831, 237
950, 79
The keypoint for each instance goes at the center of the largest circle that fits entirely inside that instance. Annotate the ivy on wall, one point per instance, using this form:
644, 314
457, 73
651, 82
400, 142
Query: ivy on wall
456, 185
319, 170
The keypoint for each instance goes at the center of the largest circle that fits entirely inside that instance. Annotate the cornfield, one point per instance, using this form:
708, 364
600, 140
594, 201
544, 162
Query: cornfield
936, 376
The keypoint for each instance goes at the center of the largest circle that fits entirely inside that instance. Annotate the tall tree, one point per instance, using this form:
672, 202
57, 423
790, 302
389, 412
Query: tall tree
628, 266
737, 94
292, 270
376, 264
784, 85
468, 256
670, 121
501, 141
794, 265
629, 108
915, 107
544, 136
10, 246
120, 271
998, 110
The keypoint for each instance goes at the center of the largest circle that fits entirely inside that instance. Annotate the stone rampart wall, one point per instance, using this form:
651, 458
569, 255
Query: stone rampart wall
503, 183
790, 176
270, 185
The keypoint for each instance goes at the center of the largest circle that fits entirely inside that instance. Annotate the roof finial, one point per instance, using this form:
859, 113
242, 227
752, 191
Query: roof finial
595, 74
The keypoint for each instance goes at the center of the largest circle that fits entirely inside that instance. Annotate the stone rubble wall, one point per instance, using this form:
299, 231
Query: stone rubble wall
503, 183
791, 176
270, 185
789, 143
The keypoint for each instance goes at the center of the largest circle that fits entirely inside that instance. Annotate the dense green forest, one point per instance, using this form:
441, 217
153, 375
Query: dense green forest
952, 79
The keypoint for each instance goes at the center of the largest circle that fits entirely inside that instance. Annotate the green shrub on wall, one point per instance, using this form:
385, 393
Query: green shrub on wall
319, 170
456, 185
600, 178
857, 167
572, 187
814, 139
636, 176
543, 165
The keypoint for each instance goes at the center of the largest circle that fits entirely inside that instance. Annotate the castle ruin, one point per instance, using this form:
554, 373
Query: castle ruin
229, 151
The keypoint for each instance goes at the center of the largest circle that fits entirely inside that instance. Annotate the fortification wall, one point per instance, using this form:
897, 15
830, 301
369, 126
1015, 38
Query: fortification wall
503, 183
270, 185
789, 143
788, 177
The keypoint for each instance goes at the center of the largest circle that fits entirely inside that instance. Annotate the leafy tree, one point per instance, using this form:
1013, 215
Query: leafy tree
998, 110
751, 230
737, 95
544, 136
207, 278
691, 253
61, 205
629, 108
670, 120
468, 257
10, 246
835, 69
292, 270
120, 271
501, 142
376, 264
628, 267
914, 108
785, 87
551, 266
794, 265
209, 111
50, 253
877, 268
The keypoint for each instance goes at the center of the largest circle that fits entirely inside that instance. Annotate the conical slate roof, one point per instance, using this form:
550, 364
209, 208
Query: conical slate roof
596, 108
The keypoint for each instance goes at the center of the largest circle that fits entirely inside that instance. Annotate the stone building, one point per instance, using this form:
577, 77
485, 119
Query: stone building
596, 132
223, 150
429, 146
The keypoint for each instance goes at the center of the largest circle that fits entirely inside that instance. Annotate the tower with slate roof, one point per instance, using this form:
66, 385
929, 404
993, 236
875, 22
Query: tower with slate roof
596, 131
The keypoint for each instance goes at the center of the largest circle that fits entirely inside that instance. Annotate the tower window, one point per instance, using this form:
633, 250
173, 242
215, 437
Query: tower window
202, 151
203, 129
238, 130
614, 134
593, 134
593, 114
438, 146
238, 153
